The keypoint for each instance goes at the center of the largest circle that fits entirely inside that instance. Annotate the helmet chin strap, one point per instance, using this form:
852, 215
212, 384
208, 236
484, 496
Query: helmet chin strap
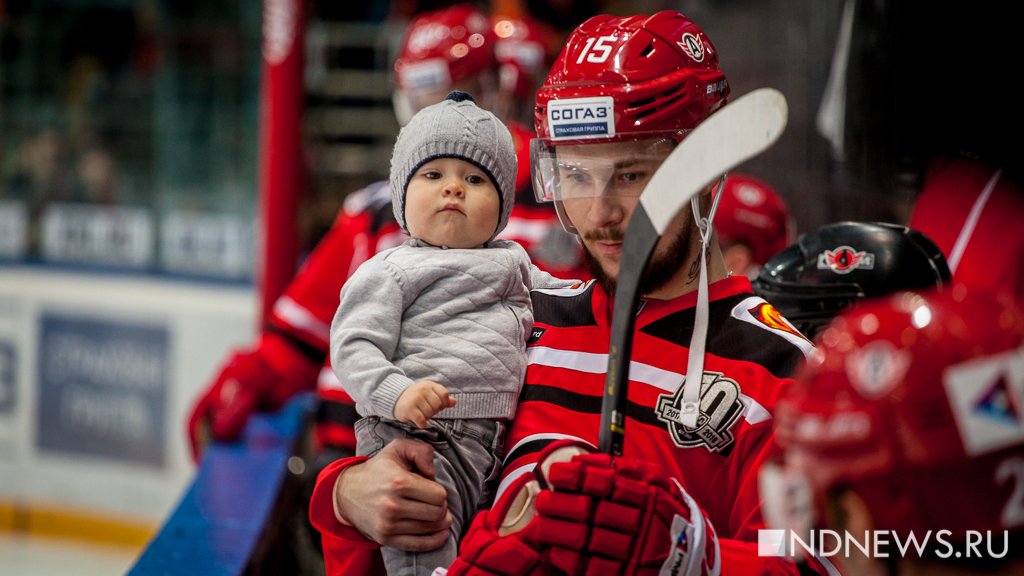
695, 363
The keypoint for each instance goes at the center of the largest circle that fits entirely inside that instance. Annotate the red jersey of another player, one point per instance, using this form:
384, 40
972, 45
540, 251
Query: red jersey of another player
973, 213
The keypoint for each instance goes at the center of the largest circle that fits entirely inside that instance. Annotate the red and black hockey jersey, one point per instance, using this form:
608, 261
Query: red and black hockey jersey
751, 350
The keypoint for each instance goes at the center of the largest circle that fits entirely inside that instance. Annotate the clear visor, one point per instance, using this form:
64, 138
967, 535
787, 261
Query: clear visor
567, 171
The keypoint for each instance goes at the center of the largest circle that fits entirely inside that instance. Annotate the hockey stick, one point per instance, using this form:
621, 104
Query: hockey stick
739, 131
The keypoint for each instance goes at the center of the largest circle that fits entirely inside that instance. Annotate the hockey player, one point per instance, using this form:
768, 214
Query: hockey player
908, 425
443, 49
621, 95
752, 224
832, 268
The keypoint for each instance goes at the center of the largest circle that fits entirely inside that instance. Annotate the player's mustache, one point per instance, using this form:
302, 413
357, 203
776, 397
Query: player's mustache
605, 235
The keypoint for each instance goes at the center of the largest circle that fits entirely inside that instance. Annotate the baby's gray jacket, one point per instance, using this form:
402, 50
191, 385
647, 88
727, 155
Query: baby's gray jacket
459, 317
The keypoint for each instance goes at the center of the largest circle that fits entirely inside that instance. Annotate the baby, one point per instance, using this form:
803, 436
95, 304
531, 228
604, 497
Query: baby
430, 337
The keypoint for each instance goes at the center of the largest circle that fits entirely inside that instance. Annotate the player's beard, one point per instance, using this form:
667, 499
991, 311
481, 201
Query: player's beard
669, 255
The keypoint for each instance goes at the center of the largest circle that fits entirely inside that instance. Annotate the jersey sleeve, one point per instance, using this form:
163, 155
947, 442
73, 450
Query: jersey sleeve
346, 551
304, 312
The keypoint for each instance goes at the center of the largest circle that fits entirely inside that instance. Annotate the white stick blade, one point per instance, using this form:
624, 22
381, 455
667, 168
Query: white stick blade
739, 131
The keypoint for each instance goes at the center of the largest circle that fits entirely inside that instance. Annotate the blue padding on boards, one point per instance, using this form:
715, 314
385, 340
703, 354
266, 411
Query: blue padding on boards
218, 522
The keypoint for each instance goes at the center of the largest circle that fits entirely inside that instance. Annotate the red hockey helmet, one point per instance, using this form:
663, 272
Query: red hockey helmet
751, 212
620, 79
440, 49
621, 75
917, 404
524, 49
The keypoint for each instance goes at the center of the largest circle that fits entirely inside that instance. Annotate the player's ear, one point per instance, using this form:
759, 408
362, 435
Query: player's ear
738, 257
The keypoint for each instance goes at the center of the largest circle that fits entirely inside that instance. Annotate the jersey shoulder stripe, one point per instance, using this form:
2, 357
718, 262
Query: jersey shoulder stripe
565, 307
371, 197
745, 339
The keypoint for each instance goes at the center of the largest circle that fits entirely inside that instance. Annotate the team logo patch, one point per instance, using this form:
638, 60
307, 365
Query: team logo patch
693, 46
877, 368
845, 259
987, 399
719, 408
766, 314
582, 118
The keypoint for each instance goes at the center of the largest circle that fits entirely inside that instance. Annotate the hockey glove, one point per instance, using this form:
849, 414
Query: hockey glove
605, 515
587, 513
245, 384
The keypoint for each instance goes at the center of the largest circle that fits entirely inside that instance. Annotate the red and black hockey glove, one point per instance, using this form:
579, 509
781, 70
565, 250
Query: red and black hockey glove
496, 543
224, 408
247, 383
605, 515
588, 513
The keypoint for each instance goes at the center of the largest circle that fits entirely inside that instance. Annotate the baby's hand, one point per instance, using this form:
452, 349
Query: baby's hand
421, 401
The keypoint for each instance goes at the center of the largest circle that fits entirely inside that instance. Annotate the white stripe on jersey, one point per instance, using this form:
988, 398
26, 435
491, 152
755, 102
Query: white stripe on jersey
297, 316
529, 467
565, 292
511, 477
972, 220
391, 240
328, 380
533, 231
753, 411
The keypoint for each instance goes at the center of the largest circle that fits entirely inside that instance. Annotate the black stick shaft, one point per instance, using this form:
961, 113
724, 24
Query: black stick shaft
641, 238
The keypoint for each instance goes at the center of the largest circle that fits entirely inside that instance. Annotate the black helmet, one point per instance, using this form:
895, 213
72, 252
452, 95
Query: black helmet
829, 269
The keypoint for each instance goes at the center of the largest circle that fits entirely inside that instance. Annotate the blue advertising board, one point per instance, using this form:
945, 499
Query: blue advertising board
102, 388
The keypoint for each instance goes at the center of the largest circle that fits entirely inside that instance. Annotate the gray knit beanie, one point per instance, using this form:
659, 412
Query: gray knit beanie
455, 128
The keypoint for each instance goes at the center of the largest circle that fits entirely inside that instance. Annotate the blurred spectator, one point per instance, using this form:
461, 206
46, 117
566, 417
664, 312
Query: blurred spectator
97, 177
41, 174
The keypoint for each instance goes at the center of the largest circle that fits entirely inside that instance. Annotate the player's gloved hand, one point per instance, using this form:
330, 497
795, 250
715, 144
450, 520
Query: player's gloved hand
245, 384
588, 513
605, 515
498, 542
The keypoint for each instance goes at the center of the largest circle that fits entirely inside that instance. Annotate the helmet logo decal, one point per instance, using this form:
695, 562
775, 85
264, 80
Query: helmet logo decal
719, 408
877, 368
581, 118
768, 315
750, 195
845, 259
693, 46
987, 400
998, 402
